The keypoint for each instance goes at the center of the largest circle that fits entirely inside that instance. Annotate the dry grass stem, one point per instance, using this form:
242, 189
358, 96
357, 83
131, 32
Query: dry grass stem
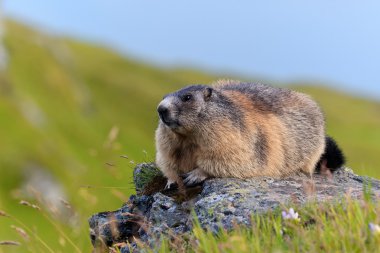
26, 203
4, 214
65, 203
11, 243
21, 232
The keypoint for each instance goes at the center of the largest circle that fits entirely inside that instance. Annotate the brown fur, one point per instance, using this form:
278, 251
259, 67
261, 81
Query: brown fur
238, 130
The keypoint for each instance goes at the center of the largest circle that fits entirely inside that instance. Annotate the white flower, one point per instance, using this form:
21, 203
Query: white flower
291, 215
374, 228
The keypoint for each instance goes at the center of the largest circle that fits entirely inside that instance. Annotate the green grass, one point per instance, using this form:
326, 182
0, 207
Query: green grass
340, 226
328, 227
59, 100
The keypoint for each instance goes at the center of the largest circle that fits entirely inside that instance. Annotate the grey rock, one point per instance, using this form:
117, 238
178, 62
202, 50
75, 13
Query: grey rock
166, 212
107, 228
221, 203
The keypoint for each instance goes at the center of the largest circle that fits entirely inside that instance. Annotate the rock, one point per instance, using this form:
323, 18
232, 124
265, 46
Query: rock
219, 202
165, 212
107, 228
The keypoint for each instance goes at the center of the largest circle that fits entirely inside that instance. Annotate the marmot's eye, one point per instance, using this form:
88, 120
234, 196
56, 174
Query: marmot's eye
187, 98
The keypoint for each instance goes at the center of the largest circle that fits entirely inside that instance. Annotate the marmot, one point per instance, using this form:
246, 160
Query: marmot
241, 130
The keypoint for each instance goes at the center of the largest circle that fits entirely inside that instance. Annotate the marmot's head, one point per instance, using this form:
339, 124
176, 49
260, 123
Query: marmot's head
181, 110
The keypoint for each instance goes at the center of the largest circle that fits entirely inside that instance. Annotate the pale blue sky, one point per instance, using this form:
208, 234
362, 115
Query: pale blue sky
332, 41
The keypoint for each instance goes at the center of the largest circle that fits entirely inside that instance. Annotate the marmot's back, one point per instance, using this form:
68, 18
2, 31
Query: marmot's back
291, 120
234, 129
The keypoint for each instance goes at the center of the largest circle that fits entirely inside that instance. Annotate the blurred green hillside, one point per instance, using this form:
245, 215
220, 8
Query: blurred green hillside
72, 111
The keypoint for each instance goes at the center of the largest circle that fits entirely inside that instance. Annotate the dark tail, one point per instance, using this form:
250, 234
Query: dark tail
332, 159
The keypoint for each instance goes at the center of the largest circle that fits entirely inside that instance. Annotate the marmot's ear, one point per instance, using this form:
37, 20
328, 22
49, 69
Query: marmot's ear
207, 92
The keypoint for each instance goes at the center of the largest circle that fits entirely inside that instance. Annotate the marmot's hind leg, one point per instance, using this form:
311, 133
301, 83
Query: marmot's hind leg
309, 165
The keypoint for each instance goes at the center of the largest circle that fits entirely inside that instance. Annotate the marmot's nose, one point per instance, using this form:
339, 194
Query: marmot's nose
163, 111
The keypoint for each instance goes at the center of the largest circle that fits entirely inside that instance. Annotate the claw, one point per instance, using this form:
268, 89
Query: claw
169, 184
194, 177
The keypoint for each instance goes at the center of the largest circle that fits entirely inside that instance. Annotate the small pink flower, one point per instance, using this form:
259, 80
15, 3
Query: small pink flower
374, 228
292, 215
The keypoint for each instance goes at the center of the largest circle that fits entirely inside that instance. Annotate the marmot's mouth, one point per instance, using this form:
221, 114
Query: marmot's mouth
166, 122
170, 123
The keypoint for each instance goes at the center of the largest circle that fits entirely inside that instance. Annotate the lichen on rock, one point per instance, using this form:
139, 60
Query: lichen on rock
144, 174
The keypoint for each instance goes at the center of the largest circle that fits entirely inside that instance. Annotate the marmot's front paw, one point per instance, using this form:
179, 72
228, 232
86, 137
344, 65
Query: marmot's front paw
194, 177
